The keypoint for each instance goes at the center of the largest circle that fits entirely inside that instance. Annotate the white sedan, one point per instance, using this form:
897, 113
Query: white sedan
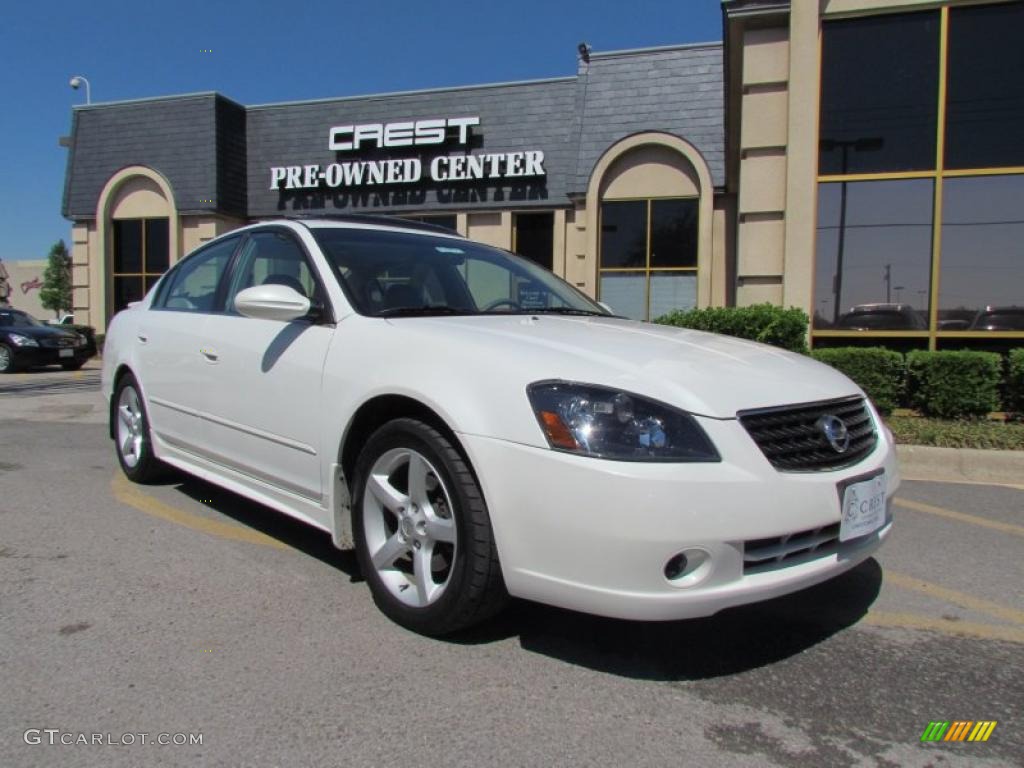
477, 428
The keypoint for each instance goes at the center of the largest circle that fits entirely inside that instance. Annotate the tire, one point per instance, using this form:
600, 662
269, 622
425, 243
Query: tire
74, 366
129, 423
7, 364
438, 527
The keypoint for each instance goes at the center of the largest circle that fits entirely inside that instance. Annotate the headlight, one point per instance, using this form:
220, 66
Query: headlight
22, 341
611, 424
81, 341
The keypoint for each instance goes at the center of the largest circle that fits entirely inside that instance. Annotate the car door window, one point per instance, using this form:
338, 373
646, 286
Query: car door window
192, 286
272, 258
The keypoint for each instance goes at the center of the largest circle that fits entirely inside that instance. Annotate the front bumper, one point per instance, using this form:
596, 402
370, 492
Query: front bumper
34, 357
595, 536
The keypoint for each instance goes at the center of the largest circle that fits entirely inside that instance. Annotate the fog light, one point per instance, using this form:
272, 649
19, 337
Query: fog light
688, 568
675, 567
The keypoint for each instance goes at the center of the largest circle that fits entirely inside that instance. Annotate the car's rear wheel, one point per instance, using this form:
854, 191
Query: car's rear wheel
131, 433
6, 359
422, 532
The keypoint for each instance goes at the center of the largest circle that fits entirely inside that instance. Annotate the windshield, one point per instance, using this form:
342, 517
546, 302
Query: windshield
391, 274
13, 319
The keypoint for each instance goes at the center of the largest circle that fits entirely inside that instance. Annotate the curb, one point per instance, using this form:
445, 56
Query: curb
960, 465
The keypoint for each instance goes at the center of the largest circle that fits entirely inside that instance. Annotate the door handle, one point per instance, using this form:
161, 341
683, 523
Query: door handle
143, 338
210, 355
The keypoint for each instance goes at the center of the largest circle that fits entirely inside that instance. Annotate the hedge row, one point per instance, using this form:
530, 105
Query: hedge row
949, 384
881, 373
767, 323
1014, 395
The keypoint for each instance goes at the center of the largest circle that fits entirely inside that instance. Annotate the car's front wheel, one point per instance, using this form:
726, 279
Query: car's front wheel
422, 532
130, 427
6, 359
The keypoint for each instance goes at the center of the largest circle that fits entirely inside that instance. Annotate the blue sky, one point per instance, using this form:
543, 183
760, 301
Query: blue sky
277, 51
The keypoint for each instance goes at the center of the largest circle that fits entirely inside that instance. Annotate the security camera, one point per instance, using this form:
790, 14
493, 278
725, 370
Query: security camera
584, 51
75, 82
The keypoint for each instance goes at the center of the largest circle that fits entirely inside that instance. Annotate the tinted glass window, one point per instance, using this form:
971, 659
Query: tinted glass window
192, 287
128, 245
982, 261
535, 237
874, 250
272, 258
127, 289
673, 233
879, 93
157, 245
624, 234
985, 93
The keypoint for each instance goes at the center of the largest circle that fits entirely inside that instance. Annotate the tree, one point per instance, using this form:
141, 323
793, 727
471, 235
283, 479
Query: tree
56, 291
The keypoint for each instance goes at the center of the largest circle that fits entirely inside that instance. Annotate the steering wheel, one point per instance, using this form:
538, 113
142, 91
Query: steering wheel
500, 303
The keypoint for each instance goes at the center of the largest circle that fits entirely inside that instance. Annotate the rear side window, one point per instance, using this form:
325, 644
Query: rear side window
192, 286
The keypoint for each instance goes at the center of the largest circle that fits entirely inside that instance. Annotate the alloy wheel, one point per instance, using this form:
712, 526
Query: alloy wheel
409, 527
130, 427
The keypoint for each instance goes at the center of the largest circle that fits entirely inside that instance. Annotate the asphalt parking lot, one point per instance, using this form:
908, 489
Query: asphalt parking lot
183, 609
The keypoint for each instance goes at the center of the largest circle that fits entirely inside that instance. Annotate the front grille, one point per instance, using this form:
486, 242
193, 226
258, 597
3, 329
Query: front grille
763, 554
792, 441
58, 342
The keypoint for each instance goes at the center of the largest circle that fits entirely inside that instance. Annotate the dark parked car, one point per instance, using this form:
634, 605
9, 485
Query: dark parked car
28, 343
999, 319
882, 317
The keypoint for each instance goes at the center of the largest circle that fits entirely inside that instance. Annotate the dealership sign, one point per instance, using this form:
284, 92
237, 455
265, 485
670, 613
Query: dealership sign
406, 170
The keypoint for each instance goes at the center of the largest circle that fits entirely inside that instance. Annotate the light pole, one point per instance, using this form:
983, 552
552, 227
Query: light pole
76, 82
867, 144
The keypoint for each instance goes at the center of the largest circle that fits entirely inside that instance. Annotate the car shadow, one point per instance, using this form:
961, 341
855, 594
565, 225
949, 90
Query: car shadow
736, 640
289, 531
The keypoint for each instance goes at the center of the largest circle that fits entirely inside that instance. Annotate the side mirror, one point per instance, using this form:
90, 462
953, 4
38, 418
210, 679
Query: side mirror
272, 302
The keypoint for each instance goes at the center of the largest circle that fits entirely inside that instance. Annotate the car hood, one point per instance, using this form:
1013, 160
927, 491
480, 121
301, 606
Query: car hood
704, 373
40, 332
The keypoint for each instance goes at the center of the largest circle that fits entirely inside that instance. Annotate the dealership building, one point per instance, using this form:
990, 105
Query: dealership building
860, 159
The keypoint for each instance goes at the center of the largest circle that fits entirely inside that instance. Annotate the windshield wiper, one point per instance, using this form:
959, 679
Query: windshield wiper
438, 309
564, 311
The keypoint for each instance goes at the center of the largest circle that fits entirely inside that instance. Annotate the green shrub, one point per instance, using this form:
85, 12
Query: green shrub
1015, 380
954, 383
786, 328
878, 371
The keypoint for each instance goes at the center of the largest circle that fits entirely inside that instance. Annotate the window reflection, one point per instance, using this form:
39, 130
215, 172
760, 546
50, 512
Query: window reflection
873, 265
982, 272
985, 95
879, 93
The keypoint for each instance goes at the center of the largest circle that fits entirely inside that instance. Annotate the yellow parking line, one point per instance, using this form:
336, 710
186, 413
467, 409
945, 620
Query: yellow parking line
76, 375
984, 522
971, 602
131, 495
945, 626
